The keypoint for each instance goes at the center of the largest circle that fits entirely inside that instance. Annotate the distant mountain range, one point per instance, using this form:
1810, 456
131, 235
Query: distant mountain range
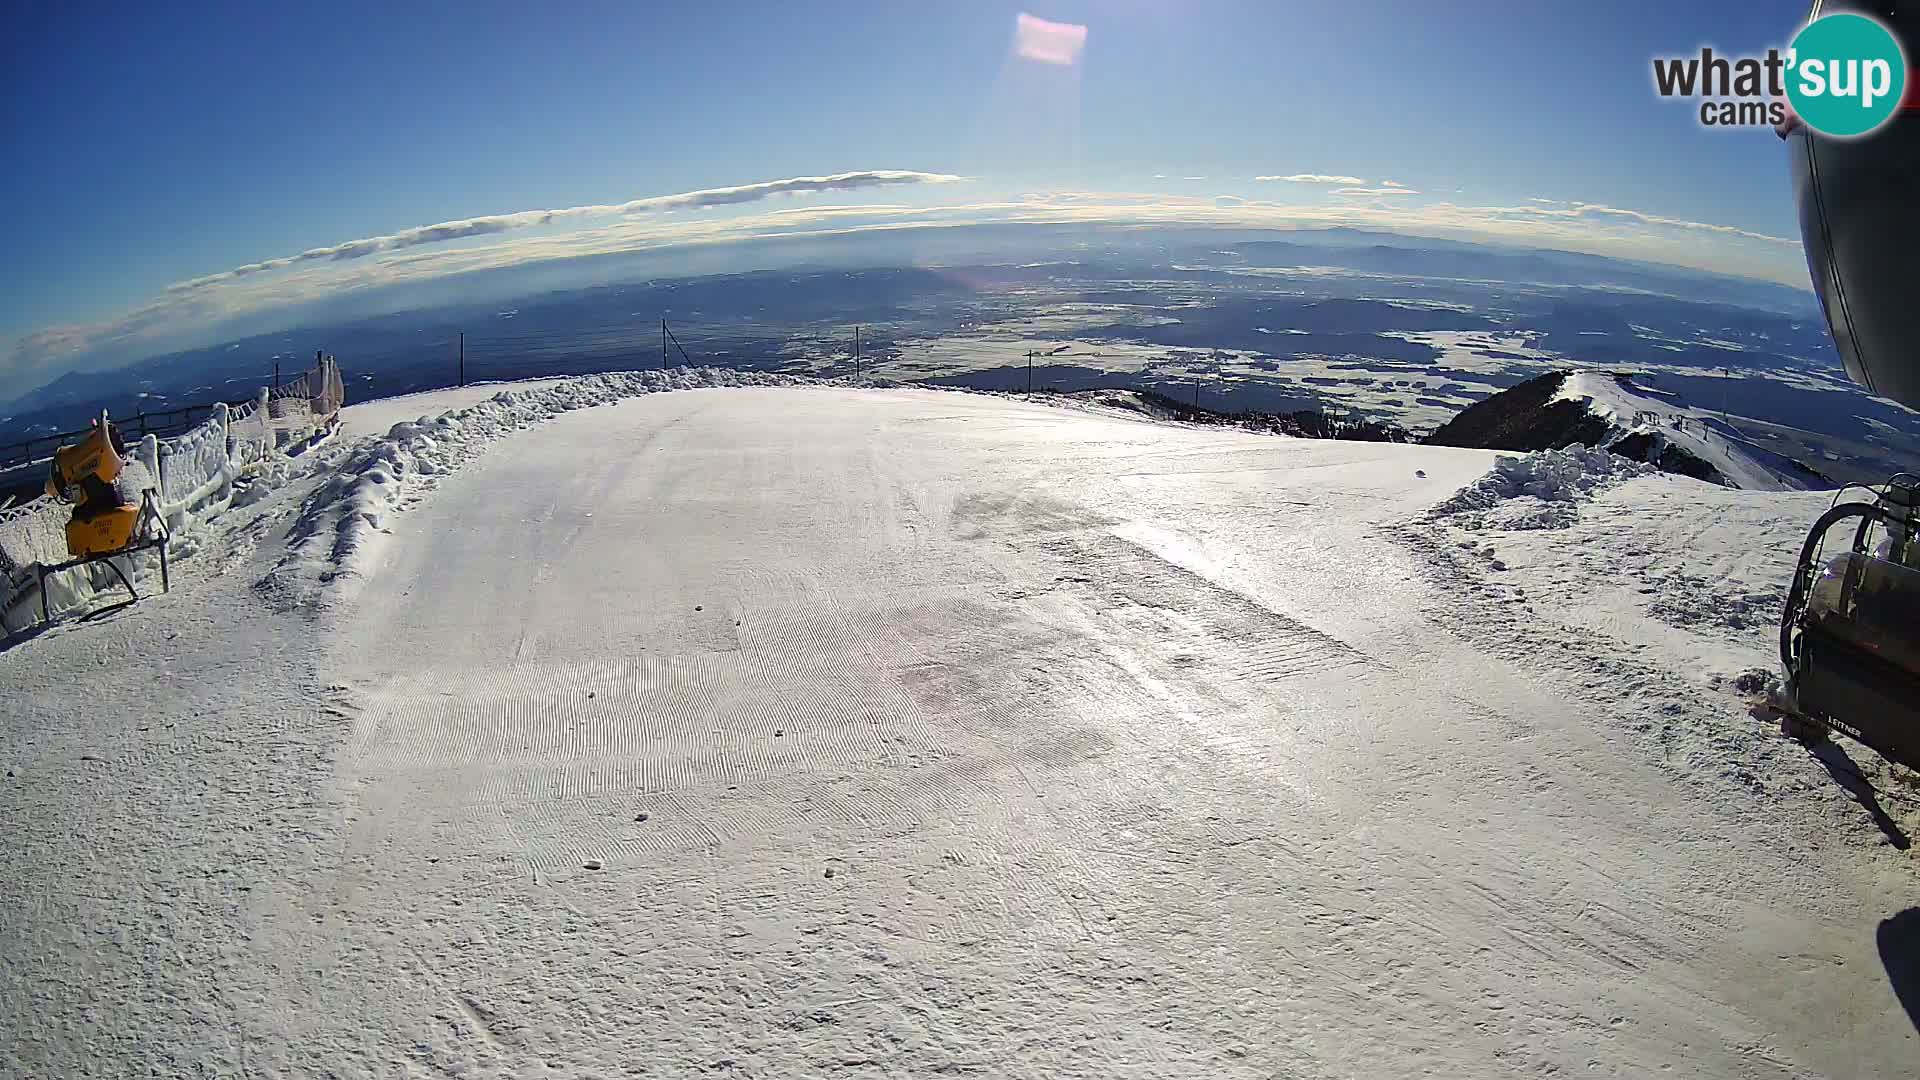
458, 299
1376, 327
1357, 249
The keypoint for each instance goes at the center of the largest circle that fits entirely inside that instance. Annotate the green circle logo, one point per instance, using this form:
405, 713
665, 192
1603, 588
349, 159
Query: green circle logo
1846, 74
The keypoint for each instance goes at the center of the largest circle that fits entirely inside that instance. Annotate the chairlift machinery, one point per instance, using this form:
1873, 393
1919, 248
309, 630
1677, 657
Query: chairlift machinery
1850, 632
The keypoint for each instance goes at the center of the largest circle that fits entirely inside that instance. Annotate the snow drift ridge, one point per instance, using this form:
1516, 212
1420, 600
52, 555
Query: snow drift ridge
336, 534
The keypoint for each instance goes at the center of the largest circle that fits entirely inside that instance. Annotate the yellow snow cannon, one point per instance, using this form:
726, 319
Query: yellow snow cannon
106, 517
108, 521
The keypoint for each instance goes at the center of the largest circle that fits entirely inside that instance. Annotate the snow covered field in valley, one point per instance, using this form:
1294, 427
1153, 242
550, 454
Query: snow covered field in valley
810, 730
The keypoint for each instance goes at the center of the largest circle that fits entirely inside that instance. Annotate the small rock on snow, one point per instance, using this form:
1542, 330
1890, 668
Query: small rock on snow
591, 864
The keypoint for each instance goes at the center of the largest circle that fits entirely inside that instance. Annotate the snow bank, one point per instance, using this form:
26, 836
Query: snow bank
1126, 400
340, 524
1539, 490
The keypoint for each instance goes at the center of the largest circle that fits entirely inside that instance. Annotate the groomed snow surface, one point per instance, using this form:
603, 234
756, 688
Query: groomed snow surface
782, 730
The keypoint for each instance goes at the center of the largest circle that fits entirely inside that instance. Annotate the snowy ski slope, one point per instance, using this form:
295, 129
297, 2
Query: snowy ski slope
1697, 431
804, 730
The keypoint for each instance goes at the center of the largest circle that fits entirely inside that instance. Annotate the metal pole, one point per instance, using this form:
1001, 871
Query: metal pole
463, 358
856, 350
1029, 371
663, 344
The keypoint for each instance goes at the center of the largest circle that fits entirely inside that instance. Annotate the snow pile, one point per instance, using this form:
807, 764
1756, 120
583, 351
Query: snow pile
1126, 400
1539, 490
341, 521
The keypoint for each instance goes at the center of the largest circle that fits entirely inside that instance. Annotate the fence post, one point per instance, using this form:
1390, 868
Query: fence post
221, 419
463, 358
149, 453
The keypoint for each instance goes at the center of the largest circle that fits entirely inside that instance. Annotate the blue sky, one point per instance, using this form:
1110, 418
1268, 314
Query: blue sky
153, 144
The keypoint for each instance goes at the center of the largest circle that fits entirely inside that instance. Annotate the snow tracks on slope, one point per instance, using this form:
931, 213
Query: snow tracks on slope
334, 538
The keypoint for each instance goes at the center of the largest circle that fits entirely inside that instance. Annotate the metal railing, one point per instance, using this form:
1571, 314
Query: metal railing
161, 423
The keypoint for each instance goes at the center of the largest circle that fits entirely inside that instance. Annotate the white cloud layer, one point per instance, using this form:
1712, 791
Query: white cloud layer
526, 219
246, 299
1312, 178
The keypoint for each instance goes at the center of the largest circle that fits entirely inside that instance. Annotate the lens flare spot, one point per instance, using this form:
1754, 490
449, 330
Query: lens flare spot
1048, 42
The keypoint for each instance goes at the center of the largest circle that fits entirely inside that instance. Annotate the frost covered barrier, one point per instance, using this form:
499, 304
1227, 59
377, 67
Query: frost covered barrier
194, 476
341, 521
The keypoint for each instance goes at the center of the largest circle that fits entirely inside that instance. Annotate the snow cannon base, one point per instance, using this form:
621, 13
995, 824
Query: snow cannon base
149, 531
1850, 634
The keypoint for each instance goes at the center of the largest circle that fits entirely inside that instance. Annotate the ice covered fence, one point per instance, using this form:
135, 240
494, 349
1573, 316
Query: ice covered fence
1538, 490
194, 477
